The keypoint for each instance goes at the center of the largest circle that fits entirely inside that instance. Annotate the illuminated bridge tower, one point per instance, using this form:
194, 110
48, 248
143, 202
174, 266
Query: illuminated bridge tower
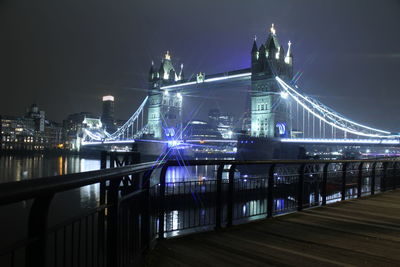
164, 105
270, 116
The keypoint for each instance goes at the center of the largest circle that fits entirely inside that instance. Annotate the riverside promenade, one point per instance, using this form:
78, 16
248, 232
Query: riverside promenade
356, 232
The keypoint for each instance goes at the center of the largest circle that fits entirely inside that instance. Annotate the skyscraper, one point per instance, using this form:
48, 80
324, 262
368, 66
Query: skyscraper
107, 116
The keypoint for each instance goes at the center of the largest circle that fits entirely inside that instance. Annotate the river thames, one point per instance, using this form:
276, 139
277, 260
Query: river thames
17, 168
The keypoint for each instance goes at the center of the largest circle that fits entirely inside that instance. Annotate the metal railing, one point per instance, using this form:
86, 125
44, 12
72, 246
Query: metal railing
139, 205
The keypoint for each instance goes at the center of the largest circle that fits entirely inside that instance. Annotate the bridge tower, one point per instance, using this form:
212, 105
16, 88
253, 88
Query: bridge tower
269, 111
165, 106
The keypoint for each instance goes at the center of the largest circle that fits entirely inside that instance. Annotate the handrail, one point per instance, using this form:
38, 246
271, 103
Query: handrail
11, 192
260, 162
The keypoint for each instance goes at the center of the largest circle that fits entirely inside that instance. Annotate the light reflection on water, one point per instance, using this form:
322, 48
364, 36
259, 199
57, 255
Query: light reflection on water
16, 168
192, 173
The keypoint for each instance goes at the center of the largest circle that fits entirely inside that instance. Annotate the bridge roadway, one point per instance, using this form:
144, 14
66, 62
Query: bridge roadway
350, 233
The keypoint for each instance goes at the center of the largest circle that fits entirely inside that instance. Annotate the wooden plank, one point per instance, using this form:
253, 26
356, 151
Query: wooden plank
352, 233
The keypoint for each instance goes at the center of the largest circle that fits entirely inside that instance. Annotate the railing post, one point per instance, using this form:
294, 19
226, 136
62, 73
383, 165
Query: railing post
344, 173
161, 205
300, 193
359, 180
37, 227
231, 189
103, 160
324, 183
373, 176
145, 218
270, 191
218, 198
112, 222
103, 165
394, 175
383, 179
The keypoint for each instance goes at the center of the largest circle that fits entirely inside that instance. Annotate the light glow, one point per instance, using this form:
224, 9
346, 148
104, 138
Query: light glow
227, 77
341, 141
247, 74
284, 95
273, 31
108, 98
167, 56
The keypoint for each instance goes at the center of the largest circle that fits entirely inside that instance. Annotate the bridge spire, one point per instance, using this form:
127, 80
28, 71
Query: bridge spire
181, 76
151, 72
289, 56
167, 56
255, 48
273, 31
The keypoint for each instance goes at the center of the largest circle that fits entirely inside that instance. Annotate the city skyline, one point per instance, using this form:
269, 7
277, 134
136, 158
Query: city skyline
73, 75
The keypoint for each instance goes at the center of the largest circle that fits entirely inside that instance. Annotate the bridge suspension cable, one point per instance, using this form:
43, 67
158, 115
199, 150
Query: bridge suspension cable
327, 116
131, 128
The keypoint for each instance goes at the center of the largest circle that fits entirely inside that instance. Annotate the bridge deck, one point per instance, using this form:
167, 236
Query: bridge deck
355, 232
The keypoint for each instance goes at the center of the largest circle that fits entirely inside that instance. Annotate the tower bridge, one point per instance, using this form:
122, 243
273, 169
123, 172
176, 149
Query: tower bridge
280, 110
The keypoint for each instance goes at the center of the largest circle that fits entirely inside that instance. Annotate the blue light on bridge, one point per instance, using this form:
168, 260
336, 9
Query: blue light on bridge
174, 143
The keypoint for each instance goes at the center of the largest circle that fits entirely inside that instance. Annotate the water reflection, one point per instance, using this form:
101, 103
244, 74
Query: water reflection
17, 168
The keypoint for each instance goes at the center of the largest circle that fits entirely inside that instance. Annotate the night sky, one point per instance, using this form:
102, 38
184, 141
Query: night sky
65, 54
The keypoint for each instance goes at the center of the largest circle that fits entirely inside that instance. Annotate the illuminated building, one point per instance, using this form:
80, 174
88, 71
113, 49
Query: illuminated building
74, 128
31, 132
201, 130
37, 116
223, 122
164, 106
107, 116
269, 110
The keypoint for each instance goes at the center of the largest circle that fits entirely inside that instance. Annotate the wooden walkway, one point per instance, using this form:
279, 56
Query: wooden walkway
363, 232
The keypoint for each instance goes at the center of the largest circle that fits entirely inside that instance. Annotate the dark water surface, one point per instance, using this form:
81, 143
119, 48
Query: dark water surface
17, 168
13, 218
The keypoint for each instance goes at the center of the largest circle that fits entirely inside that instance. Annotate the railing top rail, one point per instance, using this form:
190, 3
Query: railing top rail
11, 192
22, 190
265, 162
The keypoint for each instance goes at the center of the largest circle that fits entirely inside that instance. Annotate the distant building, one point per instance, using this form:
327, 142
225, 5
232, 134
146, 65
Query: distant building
201, 130
107, 115
30, 132
224, 123
74, 127
37, 117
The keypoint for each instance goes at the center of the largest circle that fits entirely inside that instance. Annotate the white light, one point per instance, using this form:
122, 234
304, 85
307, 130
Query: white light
341, 141
247, 74
386, 151
108, 98
178, 85
284, 95
227, 77
179, 95
273, 31
165, 92
368, 151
